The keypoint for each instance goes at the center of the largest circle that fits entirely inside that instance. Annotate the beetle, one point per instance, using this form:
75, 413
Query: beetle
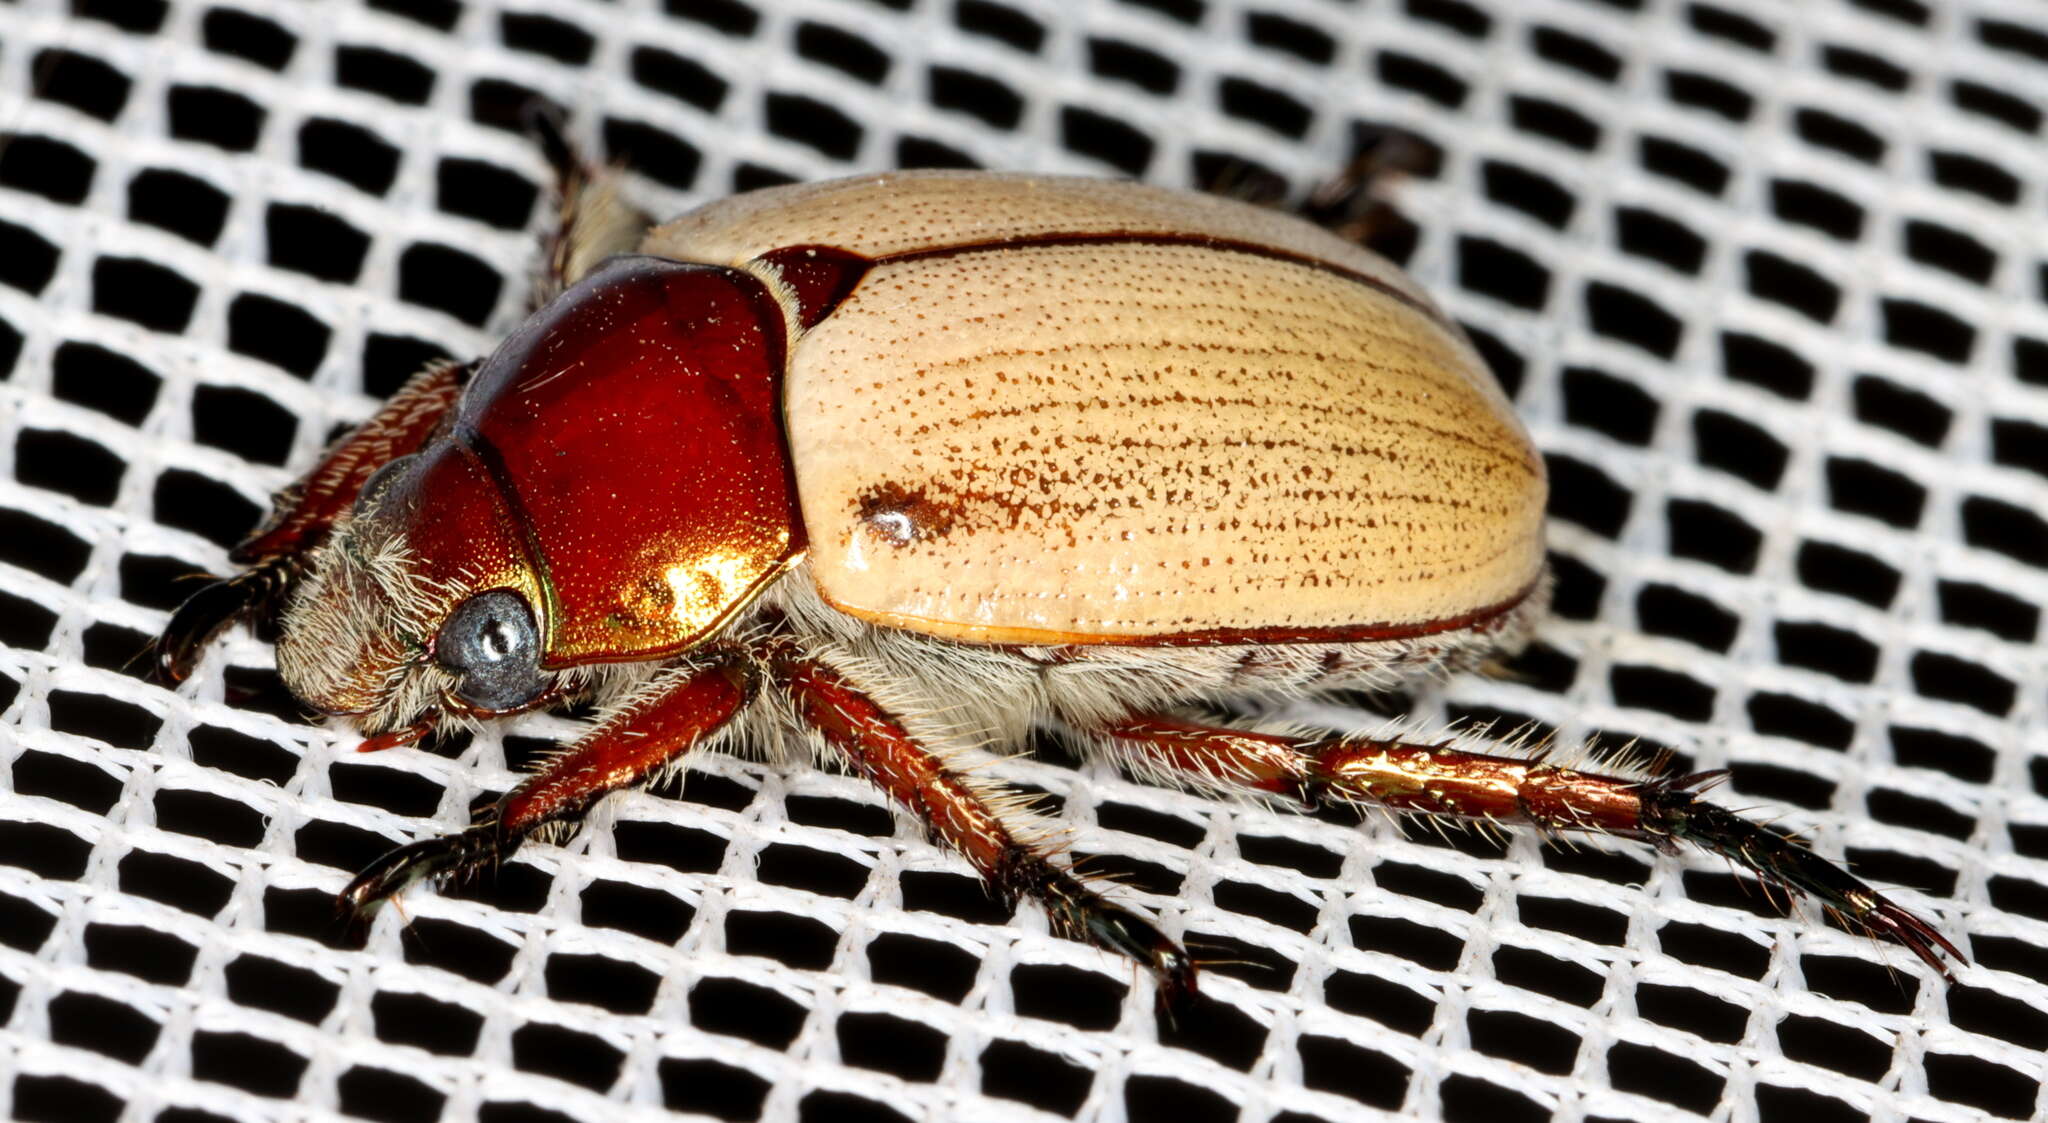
885, 471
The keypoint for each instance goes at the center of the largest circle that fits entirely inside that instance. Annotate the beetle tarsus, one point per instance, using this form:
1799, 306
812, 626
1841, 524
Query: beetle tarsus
1079, 913
448, 856
1671, 810
210, 610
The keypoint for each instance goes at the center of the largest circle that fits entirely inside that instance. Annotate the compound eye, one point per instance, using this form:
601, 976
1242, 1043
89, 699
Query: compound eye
491, 641
380, 481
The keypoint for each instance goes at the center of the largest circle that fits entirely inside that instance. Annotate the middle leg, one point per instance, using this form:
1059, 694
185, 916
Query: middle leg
963, 815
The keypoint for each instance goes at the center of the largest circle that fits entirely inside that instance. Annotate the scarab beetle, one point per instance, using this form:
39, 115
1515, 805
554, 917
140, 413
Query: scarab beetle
889, 470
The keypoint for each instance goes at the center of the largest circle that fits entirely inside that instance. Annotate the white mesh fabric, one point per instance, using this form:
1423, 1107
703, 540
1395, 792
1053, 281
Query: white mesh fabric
1766, 280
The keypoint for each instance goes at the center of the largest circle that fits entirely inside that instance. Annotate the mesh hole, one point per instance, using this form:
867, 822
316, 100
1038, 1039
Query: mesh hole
1970, 605
46, 167
715, 1089
437, 14
208, 816
1012, 1070
1535, 195
1406, 72
1104, 138
1864, 67
123, 725
649, 151
813, 871
143, 292
456, 948
1911, 414
1374, 1079
212, 116
1684, 163
1488, 267
185, 205
2006, 529
1279, 33
88, 1021
349, 153
1714, 948
1723, 441
485, 192
387, 1097
797, 941
1836, 569
1698, 91
1583, 494
26, 625
67, 463
1949, 678
975, 94
1781, 281
1838, 134
1068, 995
82, 82
730, 16
1913, 326
1667, 611
266, 984
596, 980
243, 422
141, 17
248, 37
843, 51
384, 73
442, 1028
447, 280
1003, 24
76, 782
1463, 18
1620, 314
1523, 1040
60, 1099
241, 1060
1663, 1076
939, 969
566, 1054
1995, 105
900, 1047
1554, 120
1251, 101
1960, 171
679, 77
550, 38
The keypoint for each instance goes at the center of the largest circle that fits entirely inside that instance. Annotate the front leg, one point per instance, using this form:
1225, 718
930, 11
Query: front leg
303, 514
965, 815
653, 730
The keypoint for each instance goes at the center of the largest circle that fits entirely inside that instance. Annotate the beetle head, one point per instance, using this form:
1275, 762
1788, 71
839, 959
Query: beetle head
410, 610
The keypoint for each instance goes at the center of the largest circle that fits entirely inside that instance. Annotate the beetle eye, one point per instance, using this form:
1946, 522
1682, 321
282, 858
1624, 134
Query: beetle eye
491, 641
379, 482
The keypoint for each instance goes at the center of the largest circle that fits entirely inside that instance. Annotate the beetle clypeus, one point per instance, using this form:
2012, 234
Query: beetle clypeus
887, 470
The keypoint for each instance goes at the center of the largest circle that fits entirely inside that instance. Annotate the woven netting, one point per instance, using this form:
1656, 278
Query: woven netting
1764, 277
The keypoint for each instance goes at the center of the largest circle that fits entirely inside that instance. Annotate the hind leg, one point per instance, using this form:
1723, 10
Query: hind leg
1439, 779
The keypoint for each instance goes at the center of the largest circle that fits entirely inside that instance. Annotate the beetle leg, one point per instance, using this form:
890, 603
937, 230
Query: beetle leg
1440, 780
1352, 204
592, 218
303, 514
966, 817
651, 731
